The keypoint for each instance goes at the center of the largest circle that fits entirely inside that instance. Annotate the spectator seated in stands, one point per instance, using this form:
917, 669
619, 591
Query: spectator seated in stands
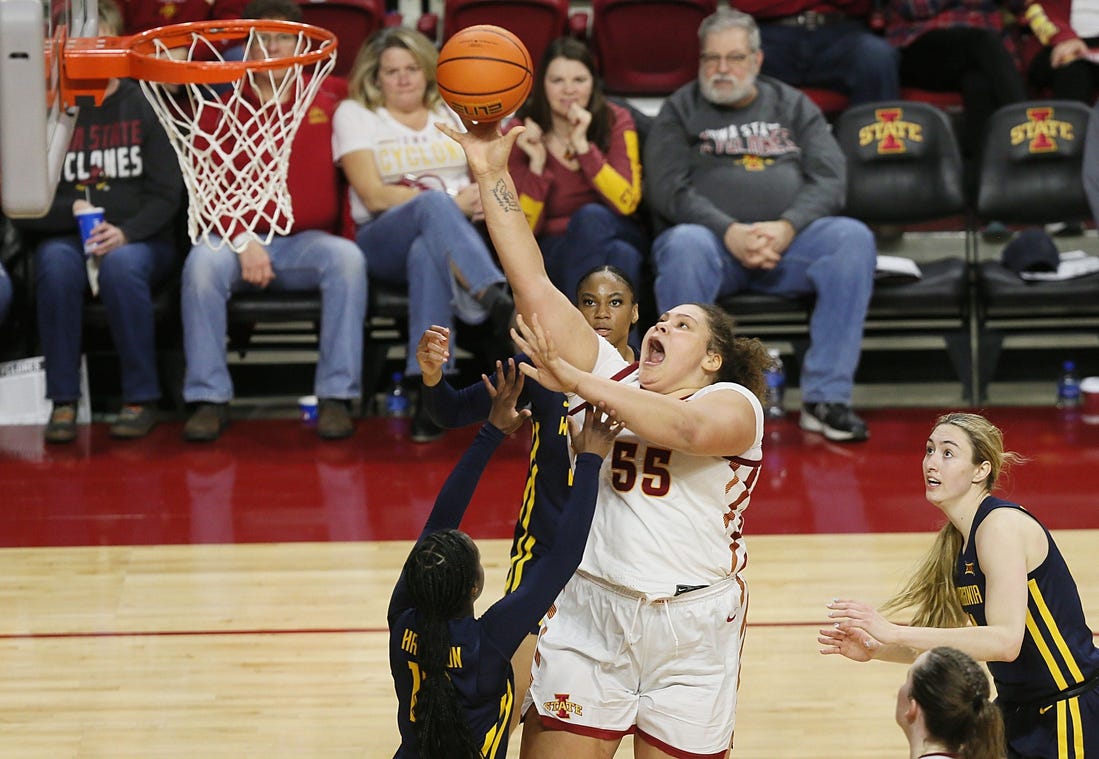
577, 169
808, 43
312, 256
119, 158
747, 170
412, 198
958, 45
1065, 32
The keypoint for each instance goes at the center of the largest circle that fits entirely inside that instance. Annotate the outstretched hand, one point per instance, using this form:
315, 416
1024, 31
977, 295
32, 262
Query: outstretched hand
855, 644
598, 432
486, 149
505, 393
856, 615
549, 370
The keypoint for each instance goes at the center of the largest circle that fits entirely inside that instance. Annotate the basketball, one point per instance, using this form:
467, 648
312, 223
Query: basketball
484, 73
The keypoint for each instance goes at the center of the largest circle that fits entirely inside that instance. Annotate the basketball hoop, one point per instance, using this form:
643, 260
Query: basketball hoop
233, 150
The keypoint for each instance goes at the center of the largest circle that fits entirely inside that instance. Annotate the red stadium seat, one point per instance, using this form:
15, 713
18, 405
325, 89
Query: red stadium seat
647, 47
353, 21
535, 22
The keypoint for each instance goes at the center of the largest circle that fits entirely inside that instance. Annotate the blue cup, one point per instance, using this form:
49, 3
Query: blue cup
87, 219
307, 406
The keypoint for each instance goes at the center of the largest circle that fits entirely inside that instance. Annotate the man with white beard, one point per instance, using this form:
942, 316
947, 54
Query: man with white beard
745, 173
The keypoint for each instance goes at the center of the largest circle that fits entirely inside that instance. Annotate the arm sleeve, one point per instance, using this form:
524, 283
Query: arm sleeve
668, 155
450, 408
509, 620
162, 183
454, 496
824, 167
616, 175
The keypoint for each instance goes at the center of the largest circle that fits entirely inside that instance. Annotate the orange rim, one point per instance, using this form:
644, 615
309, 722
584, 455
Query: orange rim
88, 62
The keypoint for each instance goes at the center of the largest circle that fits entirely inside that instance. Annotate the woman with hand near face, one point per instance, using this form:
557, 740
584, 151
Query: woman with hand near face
578, 170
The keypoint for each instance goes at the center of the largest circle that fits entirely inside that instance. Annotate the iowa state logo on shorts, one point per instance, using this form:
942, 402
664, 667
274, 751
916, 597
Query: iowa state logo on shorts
561, 707
1042, 130
890, 131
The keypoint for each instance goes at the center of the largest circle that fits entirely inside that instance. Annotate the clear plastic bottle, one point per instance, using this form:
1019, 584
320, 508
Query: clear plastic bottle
396, 398
1068, 386
775, 377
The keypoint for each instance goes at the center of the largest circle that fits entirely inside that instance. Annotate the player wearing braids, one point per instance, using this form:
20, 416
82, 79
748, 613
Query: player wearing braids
451, 670
606, 298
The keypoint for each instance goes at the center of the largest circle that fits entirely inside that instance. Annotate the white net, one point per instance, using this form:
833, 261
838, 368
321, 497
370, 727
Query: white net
233, 138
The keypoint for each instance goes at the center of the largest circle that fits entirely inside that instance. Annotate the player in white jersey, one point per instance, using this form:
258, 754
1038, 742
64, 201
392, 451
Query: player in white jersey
646, 637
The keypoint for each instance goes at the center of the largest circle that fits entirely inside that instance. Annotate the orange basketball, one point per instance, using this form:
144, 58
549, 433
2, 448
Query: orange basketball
484, 73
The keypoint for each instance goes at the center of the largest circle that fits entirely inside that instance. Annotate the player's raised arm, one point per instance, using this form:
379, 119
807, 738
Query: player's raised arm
487, 152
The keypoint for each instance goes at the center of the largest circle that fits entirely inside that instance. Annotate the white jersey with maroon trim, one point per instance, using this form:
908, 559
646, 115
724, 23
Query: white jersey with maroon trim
669, 520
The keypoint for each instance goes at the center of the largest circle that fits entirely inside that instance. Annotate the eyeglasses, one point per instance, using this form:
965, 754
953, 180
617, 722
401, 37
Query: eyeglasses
711, 60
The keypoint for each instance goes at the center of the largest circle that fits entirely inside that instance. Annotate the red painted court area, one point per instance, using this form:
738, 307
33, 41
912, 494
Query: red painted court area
275, 481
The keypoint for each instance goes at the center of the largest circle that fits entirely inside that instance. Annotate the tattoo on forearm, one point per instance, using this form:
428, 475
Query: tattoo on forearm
505, 198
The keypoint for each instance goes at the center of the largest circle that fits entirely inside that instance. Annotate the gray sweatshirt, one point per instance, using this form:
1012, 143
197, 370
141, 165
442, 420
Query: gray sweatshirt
715, 165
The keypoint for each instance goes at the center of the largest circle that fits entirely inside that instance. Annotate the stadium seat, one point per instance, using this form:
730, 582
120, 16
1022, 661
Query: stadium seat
904, 167
1032, 174
647, 47
353, 21
535, 22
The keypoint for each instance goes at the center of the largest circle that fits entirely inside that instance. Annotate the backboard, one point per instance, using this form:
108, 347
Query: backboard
35, 128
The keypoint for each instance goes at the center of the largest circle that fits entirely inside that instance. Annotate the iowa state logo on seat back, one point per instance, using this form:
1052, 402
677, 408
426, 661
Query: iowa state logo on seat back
1042, 130
890, 131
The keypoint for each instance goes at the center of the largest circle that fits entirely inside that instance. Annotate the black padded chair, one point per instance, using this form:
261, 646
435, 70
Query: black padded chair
1031, 174
283, 320
904, 167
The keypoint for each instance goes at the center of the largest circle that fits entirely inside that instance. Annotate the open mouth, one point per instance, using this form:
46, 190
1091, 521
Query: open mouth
932, 482
656, 352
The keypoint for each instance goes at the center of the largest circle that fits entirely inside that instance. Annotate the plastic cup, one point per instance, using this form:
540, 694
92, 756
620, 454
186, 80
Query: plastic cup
86, 220
1089, 399
307, 406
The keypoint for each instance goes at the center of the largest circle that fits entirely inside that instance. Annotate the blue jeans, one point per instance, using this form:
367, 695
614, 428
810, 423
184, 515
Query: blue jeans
5, 293
846, 57
595, 236
307, 260
833, 258
127, 276
417, 243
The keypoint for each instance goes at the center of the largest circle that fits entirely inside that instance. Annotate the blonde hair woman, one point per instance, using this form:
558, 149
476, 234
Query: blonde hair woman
411, 196
996, 587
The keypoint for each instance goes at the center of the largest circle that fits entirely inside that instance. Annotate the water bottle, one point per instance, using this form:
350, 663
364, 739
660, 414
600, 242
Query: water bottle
775, 377
1068, 386
396, 399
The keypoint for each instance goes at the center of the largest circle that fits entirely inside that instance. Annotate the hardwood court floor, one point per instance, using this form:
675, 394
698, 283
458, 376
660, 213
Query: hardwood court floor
165, 600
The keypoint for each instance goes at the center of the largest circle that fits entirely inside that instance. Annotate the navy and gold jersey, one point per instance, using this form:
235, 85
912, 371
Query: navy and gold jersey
1058, 652
549, 474
480, 659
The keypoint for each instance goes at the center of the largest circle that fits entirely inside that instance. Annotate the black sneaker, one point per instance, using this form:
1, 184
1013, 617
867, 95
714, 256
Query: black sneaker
62, 425
135, 420
334, 419
422, 429
836, 421
207, 422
